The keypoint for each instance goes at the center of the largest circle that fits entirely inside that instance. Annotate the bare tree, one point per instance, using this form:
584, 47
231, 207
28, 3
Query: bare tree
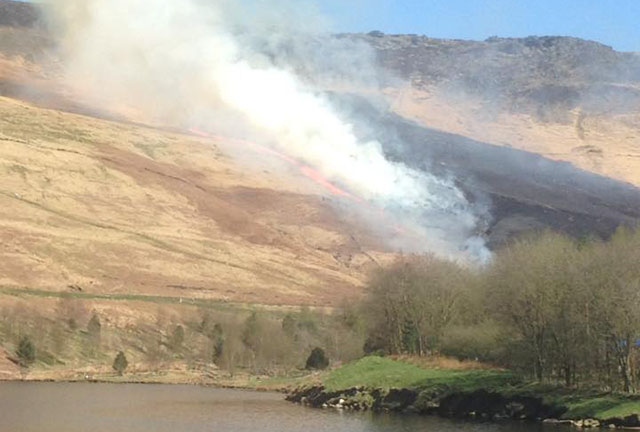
616, 276
410, 304
527, 283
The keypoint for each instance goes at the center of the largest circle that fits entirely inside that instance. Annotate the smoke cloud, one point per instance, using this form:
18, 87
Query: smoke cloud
257, 69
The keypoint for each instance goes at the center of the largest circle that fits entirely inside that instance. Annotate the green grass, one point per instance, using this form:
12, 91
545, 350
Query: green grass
602, 406
384, 373
582, 403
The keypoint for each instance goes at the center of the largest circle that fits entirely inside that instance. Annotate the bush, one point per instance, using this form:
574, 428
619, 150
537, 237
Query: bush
317, 359
26, 352
177, 339
94, 327
483, 341
120, 363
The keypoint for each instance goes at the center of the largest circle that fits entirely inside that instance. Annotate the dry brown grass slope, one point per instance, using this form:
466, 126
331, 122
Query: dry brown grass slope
603, 143
116, 207
121, 208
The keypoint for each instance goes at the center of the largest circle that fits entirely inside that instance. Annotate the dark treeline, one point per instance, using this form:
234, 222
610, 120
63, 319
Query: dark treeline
550, 307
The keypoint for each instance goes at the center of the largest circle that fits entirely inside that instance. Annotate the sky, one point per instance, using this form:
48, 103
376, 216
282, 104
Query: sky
612, 22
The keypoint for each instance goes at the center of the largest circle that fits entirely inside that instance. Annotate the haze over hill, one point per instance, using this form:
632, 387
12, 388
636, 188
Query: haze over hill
564, 98
120, 208
117, 206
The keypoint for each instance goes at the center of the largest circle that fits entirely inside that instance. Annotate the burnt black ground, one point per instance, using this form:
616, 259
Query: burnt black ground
18, 14
525, 191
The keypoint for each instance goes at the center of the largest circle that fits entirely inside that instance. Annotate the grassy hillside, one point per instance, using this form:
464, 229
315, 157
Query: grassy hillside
151, 228
107, 207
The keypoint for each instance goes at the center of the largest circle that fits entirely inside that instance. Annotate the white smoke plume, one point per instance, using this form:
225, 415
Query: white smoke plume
221, 63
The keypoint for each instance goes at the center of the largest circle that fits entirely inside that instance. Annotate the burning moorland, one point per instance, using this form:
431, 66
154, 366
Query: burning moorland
165, 162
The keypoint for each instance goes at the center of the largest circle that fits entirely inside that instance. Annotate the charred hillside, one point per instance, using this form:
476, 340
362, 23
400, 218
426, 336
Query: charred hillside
533, 74
18, 14
524, 191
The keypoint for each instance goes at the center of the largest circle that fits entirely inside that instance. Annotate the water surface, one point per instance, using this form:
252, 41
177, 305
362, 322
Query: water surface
76, 407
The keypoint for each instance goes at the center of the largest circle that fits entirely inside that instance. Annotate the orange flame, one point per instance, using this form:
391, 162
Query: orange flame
396, 229
306, 170
322, 181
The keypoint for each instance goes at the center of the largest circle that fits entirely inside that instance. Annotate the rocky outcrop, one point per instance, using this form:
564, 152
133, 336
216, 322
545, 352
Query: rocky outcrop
491, 405
356, 398
19, 14
526, 74
481, 404
630, 421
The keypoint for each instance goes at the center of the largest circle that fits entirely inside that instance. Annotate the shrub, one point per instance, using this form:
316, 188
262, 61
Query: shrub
94, 327
177, 339
317, 359
120, 363
26, 352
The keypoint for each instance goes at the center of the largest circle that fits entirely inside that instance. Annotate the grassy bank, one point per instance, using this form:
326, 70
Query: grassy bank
385, 373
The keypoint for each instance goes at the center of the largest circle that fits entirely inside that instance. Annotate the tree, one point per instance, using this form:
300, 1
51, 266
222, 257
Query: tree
528, 282
251, 336
120, 363
91, 344
317, 359
615, 276
217, 339
289, 325
94, 327
26, 352
177, 339
411, 303
232, 349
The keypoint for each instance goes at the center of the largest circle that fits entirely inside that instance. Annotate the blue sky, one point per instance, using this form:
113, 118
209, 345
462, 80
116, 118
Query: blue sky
613, 22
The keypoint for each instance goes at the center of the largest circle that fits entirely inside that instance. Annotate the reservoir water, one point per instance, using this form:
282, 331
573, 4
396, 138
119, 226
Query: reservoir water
80, 407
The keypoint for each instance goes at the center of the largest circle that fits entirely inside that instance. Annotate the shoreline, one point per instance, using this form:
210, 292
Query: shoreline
481, 405
194, 377
396, 385
386, 385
